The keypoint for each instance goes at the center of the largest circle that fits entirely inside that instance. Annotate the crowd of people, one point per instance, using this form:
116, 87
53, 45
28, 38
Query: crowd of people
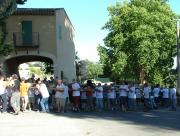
56, 95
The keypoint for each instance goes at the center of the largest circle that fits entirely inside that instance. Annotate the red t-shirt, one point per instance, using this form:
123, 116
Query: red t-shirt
89, 91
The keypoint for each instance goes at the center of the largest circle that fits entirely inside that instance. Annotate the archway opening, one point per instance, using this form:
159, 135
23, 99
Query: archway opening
26, 65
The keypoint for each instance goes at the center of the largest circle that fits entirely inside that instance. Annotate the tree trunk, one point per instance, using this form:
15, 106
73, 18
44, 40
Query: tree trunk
142, 76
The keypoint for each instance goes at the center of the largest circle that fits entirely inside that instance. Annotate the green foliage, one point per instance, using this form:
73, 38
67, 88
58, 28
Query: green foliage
93, 70
141, 38
47, 67
157, 78
5, 48
36, 70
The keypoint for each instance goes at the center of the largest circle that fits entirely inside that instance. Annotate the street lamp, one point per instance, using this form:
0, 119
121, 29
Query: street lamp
178, 58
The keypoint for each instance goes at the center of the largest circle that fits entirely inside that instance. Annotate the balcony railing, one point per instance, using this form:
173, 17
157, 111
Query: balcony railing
26, 40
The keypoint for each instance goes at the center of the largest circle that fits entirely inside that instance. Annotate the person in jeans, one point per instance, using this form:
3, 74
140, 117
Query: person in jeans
165, 96
156, 92
45, 96
132, 98
99, 97
146, 92
3, 94
173, 98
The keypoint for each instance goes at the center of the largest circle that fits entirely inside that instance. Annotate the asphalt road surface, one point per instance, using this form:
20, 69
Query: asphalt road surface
155, 123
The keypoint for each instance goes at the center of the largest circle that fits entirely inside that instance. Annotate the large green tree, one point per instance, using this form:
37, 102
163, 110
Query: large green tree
141, 41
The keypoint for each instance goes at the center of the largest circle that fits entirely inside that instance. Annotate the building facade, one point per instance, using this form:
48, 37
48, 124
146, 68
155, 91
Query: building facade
41, 35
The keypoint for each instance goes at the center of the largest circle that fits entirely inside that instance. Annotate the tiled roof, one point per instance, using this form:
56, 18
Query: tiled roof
35, 11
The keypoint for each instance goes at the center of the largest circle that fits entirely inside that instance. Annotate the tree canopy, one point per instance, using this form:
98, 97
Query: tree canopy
89, 69
141, 41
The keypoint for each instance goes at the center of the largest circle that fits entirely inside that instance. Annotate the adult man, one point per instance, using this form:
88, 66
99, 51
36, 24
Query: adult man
99, 97
156, 92
124, 96
173, 98
76, 95
165, 96
60, 96
132, 98
146, 92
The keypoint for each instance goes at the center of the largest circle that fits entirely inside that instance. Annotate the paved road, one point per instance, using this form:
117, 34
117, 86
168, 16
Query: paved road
155, 123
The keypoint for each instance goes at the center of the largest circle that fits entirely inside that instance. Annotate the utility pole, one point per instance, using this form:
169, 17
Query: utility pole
178, 58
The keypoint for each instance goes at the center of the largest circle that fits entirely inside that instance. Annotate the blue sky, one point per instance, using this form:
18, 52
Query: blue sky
87, 17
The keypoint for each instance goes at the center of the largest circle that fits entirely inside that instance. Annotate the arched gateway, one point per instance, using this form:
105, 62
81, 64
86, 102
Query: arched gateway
41, 35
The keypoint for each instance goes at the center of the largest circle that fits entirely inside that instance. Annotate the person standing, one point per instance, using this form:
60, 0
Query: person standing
31, 98
111, 97
165, 97
156, 92
99, 97
76, 95
132, 98
89, 94
173, 98
45, 96
24, 94
15, 98
66, 94
3, 94
124, 96
60, 96
146, 92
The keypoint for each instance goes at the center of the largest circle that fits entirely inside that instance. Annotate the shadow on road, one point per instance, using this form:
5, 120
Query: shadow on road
162, 118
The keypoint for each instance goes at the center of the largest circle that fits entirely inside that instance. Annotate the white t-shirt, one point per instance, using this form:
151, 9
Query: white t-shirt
99, 93
156, 92
138, 93
111, 94
2, 87
44, 91
147, 91
165, 92
132, 93
94, 94
123, 90
76, 88
60, 94
173, 93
